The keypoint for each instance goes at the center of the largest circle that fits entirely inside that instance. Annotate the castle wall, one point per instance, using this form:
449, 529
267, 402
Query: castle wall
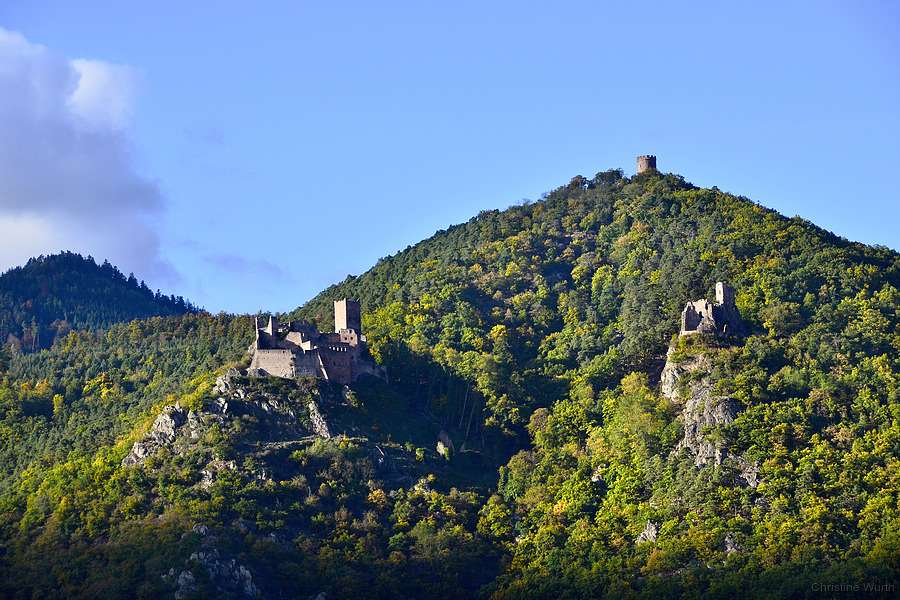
724, 293
338, 362
264, 341
279, 363
308, 364
304, 351
698, 316
349, 336
272, 326
702, 316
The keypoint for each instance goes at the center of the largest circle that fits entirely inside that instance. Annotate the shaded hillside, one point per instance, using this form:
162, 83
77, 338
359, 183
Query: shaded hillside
256, 499
52, 295
93, 387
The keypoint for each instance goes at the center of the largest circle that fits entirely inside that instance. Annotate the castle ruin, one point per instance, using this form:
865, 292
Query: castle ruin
299, 349
646, 162
721, 317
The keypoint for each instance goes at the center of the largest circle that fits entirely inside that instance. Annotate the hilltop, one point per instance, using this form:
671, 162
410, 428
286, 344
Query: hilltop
53, 295
634, 462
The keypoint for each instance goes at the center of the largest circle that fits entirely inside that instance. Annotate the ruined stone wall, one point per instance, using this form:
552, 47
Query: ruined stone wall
265, 341
349, 336
697, 316
279, 363
338, 363
728, 320
703, 316
272, 326
724, 293
308, 364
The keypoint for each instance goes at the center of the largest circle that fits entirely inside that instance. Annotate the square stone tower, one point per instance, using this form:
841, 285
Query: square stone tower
646, 162
347, 315
724, 293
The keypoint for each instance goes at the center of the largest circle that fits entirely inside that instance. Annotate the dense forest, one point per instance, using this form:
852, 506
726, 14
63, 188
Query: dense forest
53, 295
524, 445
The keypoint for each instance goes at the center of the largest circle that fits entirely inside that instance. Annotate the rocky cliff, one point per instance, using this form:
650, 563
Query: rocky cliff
687, 380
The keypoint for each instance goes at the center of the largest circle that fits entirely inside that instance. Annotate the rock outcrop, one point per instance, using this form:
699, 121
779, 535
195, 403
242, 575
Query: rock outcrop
731, 546
686, 382
283, 416
444, 446
319, 425
227, 576
649, 533
161, 434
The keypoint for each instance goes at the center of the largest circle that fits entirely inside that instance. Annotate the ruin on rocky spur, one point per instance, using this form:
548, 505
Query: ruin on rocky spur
299, 349
720, 317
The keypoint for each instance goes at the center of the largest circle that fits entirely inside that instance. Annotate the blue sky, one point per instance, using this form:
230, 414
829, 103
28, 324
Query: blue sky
261, 151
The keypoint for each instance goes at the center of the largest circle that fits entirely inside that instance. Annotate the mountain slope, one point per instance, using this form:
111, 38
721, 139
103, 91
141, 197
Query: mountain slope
535, 337
94, 387
52, 295
588, 284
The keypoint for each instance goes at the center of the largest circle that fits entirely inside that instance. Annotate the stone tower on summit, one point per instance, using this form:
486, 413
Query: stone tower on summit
646, 162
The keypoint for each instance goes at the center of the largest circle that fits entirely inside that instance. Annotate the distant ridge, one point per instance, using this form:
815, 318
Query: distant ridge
52, 295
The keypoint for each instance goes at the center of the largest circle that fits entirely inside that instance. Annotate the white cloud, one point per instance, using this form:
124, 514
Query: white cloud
21, 232
67, 178
105, 94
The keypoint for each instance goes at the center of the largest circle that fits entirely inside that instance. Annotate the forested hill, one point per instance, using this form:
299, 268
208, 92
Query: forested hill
588, 284
52, 295
764, 464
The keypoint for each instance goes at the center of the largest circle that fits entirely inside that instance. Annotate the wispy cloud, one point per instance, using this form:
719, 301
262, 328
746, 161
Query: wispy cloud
256, 268
67, 176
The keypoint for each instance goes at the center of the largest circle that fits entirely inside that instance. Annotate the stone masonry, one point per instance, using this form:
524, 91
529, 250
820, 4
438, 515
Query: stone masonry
299, 349
720, 317
646, 162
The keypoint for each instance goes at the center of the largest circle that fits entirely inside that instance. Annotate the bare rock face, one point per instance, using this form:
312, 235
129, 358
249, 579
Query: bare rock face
675, 372
179, 429
702, 412
442, 450
749, 471
185, 584
229, 576
318, 422
648, 534
175, 423
224, 382
210, 473
444, 445
686, 383
162, 434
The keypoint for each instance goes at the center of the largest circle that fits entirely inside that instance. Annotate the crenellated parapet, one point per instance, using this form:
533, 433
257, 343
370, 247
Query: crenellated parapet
646, 162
